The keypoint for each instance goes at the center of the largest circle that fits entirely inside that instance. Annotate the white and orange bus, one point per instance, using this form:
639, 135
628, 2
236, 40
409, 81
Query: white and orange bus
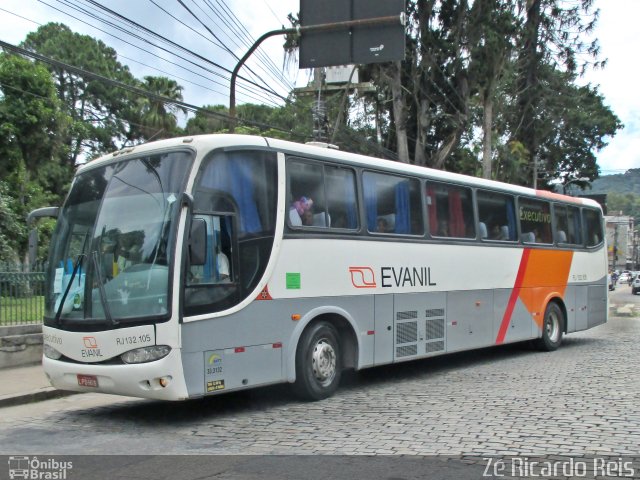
201, 265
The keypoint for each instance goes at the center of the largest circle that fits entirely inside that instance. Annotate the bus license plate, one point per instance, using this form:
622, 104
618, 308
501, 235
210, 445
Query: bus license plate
87, 380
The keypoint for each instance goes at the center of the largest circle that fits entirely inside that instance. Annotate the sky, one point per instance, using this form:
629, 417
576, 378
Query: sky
616, 32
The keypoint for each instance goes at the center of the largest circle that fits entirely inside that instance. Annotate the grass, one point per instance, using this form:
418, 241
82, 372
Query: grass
18, 311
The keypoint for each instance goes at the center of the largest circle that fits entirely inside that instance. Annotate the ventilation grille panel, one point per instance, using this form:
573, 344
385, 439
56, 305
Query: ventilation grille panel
406, 332
434, 312
410, 315
434, 329
406, 351
432, 347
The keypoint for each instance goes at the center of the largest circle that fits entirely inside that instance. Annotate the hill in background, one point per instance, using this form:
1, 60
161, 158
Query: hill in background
623, 193
623, 183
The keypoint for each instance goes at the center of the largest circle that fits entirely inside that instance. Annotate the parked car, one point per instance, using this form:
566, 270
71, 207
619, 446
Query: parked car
635, 286
624, 277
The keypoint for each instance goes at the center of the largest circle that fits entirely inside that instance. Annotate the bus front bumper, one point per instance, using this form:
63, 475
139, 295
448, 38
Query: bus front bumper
162, 379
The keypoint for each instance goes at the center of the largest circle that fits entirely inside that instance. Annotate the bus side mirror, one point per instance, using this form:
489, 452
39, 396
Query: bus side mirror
198, 242
33, 234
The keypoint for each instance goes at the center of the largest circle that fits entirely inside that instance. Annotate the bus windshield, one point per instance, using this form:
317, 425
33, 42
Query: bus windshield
111, 253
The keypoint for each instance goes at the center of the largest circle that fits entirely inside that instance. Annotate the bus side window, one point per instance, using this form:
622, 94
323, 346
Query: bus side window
307, 195
321, 196
567, 221
497, 216
392, 204
535, 221
450, 211
215, 266
593, 227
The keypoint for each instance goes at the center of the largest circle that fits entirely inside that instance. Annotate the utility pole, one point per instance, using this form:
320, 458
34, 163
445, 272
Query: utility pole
319, 109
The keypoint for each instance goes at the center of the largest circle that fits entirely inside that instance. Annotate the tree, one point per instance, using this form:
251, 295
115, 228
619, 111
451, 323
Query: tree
209, 119
95, 106
11, 227
159, 118
552, 37
575, 126
31, 120
493, 25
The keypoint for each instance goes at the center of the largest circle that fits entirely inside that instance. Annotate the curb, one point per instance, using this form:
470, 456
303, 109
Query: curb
34, 396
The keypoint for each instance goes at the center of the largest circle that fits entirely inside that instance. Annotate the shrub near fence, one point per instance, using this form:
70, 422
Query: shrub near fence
21, 294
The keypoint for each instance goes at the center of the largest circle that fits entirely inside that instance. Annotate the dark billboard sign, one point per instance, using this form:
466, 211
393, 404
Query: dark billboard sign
356, 44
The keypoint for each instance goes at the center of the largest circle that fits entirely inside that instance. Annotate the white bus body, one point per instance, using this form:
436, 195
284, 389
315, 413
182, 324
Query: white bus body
138, 306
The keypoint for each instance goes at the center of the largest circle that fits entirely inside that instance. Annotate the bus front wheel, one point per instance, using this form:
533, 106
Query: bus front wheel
551, 328
318, 362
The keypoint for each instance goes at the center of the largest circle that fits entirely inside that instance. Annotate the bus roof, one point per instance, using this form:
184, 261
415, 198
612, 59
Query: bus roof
211, 141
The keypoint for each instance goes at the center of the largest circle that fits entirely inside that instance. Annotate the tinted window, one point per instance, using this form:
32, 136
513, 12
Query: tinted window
497, 216
393, 204
535, 221
568, 225
593, 226
321, 196
235, 202
450, 211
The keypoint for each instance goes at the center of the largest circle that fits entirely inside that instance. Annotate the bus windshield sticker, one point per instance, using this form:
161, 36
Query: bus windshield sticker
293, 281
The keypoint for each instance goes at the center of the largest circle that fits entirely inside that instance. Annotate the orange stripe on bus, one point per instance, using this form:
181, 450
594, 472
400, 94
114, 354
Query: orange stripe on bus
506, 319
542, 274
558, 196
546, 276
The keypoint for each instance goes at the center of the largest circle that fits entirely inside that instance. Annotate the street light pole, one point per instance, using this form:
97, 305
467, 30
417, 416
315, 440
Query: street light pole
325, 27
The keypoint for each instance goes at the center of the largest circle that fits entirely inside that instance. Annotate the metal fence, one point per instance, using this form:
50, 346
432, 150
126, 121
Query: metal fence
21, 294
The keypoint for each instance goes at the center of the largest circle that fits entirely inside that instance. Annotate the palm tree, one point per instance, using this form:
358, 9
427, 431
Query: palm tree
159, 118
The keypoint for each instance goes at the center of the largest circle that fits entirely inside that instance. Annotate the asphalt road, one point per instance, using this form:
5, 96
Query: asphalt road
445, 414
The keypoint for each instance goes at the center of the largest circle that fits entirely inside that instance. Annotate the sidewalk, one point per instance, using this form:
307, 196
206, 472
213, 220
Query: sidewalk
26, 384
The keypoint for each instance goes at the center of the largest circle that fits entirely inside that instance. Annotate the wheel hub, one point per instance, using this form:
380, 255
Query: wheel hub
323, 362
553, 327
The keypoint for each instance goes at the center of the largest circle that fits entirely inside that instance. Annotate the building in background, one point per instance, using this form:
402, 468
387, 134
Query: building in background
621, 242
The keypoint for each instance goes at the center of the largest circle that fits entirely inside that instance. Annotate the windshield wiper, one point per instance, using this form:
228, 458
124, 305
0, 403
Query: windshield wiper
79, 260
101, 290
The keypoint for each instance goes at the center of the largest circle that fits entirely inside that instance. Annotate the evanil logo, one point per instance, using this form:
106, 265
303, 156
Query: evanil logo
362, 277
37, 469
397, 277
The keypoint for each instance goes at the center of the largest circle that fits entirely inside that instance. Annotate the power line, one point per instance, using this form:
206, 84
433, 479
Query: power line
146, 51
217, 38
248, 40
136, 90
174, 45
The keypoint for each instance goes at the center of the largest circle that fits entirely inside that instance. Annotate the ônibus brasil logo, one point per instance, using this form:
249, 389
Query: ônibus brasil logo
37, 469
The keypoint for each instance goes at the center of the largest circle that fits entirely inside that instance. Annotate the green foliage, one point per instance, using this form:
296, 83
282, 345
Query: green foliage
158, 119
290, 122
31, 119
95, 107
210, 119
628, 182
11, 226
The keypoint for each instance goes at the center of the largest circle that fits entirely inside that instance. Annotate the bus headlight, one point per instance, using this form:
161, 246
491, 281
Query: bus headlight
146, 354
51, 352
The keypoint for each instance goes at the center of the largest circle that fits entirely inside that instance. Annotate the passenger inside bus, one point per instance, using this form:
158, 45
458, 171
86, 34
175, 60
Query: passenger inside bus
383, 226
499, 232
443, 228
223, 266
301, 212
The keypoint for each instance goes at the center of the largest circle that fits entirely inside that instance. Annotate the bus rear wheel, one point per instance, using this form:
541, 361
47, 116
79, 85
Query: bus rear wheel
318, 362
551, 328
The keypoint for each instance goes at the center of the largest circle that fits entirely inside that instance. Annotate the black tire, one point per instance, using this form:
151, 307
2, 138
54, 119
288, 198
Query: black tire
318, 362
552, 328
